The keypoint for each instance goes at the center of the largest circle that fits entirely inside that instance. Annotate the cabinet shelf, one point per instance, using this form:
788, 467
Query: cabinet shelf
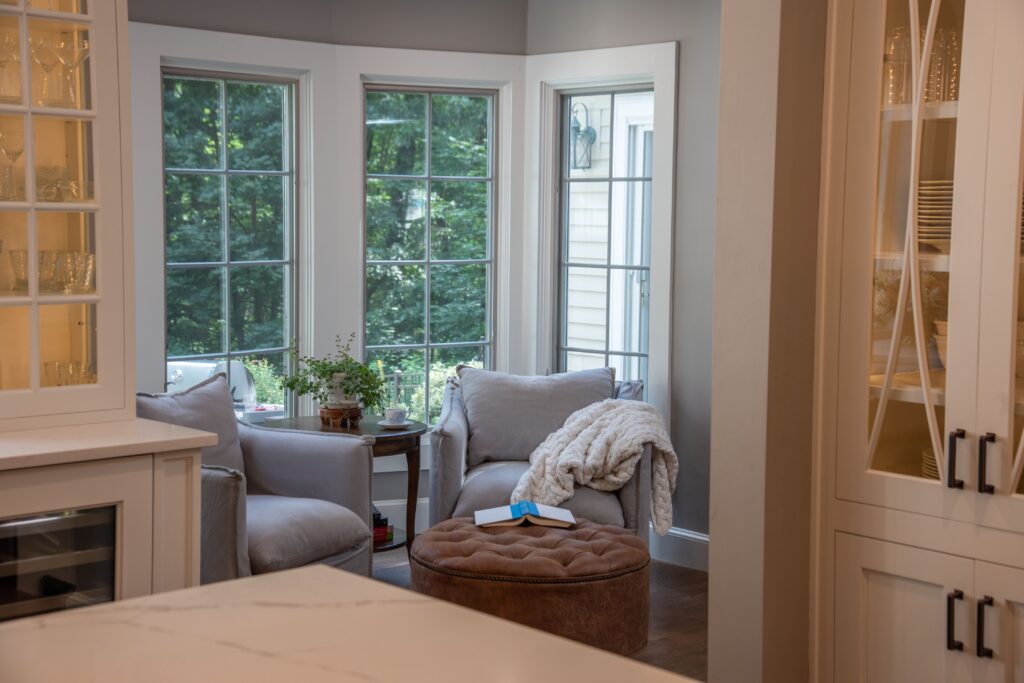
933, 111
893, 260
906, 387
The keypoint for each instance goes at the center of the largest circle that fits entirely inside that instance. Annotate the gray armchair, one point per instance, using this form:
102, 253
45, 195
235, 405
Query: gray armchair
272, 499
471, 471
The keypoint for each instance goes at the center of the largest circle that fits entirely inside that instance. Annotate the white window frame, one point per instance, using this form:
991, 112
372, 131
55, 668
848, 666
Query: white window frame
547, 76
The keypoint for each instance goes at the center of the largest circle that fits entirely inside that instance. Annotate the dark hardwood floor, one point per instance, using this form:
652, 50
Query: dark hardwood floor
678, 637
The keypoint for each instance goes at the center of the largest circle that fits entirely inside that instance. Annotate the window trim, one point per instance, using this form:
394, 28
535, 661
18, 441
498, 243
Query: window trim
293, 303
490, 342
603, 69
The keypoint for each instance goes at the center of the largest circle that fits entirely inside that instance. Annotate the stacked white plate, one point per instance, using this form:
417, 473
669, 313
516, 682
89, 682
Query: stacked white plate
935, 213
929, 468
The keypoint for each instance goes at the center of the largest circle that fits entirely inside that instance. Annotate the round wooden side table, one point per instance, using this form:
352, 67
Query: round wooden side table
386, 442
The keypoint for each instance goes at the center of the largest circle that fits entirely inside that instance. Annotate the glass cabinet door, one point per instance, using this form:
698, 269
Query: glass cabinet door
999, 437
61, 289
911, 254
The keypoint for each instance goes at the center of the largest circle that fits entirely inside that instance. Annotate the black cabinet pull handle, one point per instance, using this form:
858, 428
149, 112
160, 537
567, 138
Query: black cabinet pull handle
983, 442
983, 651
951, 642
951, 480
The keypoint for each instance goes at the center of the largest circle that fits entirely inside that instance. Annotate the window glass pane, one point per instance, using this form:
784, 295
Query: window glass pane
395, 219
394, 305
587, 142
628, 311
13, 253
258, 296
265, 371
256, 210
458, 303
59, 53
629, 367
585, 312
256, 126
195, 311
586, 229
10, 48
63, 159
182, 374
14, 352
460, 130
442, 366
192, 216
396, 133
459, 223
583, 361
12, 160
631, 223
403, 370
634, 134
67, 344
192, 122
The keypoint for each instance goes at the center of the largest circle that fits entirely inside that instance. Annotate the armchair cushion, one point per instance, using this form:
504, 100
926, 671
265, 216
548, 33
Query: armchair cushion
510, 415
207, 406
290, 532
490, 485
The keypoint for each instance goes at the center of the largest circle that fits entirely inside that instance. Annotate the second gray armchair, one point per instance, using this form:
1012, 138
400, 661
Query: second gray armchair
490, 424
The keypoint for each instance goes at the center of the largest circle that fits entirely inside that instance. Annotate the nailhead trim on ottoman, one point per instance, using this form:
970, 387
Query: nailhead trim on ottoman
589, 583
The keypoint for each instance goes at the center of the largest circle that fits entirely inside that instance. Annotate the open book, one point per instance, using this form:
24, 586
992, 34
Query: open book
525, 511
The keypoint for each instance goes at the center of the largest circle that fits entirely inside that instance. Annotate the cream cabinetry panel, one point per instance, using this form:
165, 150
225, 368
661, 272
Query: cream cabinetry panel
891, 613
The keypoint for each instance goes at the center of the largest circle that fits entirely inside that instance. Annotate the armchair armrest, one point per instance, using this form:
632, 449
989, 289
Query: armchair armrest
448, 442
635, 497
224, 552
333, 467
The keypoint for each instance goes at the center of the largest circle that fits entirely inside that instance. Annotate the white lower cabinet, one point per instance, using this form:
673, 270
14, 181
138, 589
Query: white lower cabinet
907, 615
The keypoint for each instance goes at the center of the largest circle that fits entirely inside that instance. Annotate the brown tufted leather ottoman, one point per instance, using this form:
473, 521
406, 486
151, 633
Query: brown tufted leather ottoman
589, 583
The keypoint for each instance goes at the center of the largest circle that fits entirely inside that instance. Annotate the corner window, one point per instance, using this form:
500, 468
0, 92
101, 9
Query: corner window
605, 231
229, 185
429, 219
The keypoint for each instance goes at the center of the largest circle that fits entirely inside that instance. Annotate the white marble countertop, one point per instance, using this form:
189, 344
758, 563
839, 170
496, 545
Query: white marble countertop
95, 441
305, 625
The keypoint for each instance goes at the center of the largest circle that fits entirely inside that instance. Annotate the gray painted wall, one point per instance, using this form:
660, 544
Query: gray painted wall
565, 25
534, 27
455, 25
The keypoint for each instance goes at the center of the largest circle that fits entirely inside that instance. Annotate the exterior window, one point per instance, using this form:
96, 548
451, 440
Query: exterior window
429, 217
229, 184
605, 235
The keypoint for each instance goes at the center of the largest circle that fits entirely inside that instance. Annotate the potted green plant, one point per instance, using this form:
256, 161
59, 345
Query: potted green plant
341, 384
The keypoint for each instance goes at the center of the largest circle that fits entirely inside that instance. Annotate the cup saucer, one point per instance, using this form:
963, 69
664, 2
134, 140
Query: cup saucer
395, 425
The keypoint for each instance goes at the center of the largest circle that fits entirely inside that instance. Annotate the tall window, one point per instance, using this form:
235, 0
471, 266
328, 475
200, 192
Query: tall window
605, 252
429, 217
229, 183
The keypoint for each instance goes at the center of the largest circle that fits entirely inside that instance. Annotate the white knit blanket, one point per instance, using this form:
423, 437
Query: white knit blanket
599, 446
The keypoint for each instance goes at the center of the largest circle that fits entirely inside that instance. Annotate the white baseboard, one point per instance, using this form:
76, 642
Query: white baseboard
394, 510
682, 547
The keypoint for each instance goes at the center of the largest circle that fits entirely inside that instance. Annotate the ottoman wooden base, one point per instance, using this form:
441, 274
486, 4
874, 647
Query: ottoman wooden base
589, 583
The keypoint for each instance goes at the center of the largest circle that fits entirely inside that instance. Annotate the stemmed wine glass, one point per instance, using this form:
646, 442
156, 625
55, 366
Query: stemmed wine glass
12, 143
45, 56
8, 54
71, 53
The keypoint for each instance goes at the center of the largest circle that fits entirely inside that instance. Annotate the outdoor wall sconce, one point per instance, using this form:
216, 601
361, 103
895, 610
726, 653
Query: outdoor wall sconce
581, 138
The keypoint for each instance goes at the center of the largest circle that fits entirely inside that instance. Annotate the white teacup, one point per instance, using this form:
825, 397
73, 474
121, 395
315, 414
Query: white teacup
395, 416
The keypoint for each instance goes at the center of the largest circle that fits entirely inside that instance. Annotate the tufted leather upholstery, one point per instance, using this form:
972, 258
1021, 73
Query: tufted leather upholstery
589, 583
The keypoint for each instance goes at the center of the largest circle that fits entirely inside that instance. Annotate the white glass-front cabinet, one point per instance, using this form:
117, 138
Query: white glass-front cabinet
929, 411
922, 398
62, 287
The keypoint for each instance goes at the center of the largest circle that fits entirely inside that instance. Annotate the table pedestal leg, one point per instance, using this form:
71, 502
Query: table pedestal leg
412, 461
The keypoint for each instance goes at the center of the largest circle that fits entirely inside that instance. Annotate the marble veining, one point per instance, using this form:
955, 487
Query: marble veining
312, 624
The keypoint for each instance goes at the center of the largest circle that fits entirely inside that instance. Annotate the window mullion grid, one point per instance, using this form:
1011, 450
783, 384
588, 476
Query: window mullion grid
225, 228
428, 255
608, 271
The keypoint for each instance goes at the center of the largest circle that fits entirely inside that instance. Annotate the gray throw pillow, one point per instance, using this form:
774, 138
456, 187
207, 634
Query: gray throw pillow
207, 406
510, 415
